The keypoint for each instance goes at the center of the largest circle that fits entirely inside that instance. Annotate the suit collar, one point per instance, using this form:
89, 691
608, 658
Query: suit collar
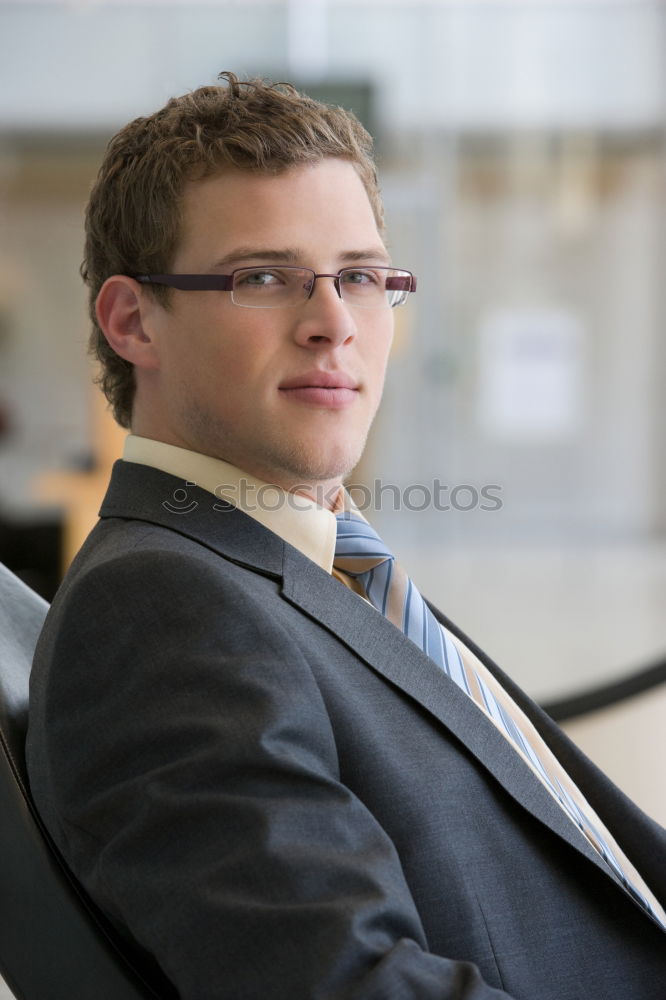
296, 518
140, 492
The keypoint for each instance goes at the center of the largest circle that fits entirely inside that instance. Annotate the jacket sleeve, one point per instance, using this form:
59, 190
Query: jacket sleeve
194, 783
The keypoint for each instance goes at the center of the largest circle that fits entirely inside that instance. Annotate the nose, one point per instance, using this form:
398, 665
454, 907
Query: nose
324, 320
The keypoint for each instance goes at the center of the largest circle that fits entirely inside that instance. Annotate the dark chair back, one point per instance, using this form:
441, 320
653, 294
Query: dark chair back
54, 944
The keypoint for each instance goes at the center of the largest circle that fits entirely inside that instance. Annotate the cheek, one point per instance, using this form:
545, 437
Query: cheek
378, 359
234, 378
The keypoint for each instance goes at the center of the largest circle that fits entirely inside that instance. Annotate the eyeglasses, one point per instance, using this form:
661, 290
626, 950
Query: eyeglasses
274, 287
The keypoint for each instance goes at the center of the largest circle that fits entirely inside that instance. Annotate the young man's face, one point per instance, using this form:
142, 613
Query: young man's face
232, 381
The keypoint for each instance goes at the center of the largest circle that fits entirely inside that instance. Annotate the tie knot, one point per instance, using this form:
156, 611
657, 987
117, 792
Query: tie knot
358, 547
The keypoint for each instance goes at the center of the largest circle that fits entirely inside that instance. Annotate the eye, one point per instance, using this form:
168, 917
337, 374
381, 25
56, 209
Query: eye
360, 276
259, 277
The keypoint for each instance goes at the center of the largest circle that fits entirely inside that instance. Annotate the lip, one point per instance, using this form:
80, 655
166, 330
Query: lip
321, 380
330, 390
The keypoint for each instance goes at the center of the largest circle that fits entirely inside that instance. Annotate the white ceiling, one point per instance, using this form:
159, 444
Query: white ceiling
471, 64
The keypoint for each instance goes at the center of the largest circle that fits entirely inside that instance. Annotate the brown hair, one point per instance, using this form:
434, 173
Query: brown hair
133, 215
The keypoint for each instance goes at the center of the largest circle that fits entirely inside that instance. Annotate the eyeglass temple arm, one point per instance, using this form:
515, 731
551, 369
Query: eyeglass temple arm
189, 282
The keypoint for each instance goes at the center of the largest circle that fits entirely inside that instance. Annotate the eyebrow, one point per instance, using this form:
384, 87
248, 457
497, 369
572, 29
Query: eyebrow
289, 255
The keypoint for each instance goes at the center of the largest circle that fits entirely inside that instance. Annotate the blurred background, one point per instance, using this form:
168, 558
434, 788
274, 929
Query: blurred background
518, 465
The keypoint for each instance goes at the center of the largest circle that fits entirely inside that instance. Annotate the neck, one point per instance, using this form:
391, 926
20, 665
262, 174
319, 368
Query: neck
327, 495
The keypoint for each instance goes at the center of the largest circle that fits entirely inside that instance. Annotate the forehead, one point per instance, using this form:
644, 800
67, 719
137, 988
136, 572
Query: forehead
310, 207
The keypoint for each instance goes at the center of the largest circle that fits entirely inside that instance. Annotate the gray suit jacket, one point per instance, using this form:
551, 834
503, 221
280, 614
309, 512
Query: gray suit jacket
268, 787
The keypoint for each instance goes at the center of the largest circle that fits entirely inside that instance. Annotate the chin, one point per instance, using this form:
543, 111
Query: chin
311, 465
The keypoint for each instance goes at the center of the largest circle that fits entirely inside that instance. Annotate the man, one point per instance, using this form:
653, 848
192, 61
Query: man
279, 776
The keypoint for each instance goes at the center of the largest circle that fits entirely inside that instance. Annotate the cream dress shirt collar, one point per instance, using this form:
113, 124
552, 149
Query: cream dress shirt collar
296, 519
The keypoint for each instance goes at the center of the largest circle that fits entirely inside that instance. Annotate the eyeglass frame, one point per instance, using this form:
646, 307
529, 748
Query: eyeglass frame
225, 282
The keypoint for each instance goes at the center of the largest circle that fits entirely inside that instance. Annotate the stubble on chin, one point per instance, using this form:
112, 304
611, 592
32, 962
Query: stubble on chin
305, 466
294, 461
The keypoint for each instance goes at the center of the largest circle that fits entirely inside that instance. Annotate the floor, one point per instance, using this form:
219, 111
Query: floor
557, 619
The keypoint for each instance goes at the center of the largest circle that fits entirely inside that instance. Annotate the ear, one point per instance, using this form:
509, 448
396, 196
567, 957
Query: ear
120, 310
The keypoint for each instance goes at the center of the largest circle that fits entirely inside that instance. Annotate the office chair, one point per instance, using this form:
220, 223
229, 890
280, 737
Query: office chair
54, 943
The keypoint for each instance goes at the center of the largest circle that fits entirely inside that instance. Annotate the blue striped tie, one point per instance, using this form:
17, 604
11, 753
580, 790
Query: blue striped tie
361, 554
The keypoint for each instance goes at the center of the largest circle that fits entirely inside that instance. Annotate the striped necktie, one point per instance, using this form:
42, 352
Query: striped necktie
361, 554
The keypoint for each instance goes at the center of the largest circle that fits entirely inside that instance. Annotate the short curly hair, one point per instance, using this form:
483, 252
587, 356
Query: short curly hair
133, 216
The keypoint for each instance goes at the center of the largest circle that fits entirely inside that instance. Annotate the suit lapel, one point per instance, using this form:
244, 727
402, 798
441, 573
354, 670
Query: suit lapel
390, 653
